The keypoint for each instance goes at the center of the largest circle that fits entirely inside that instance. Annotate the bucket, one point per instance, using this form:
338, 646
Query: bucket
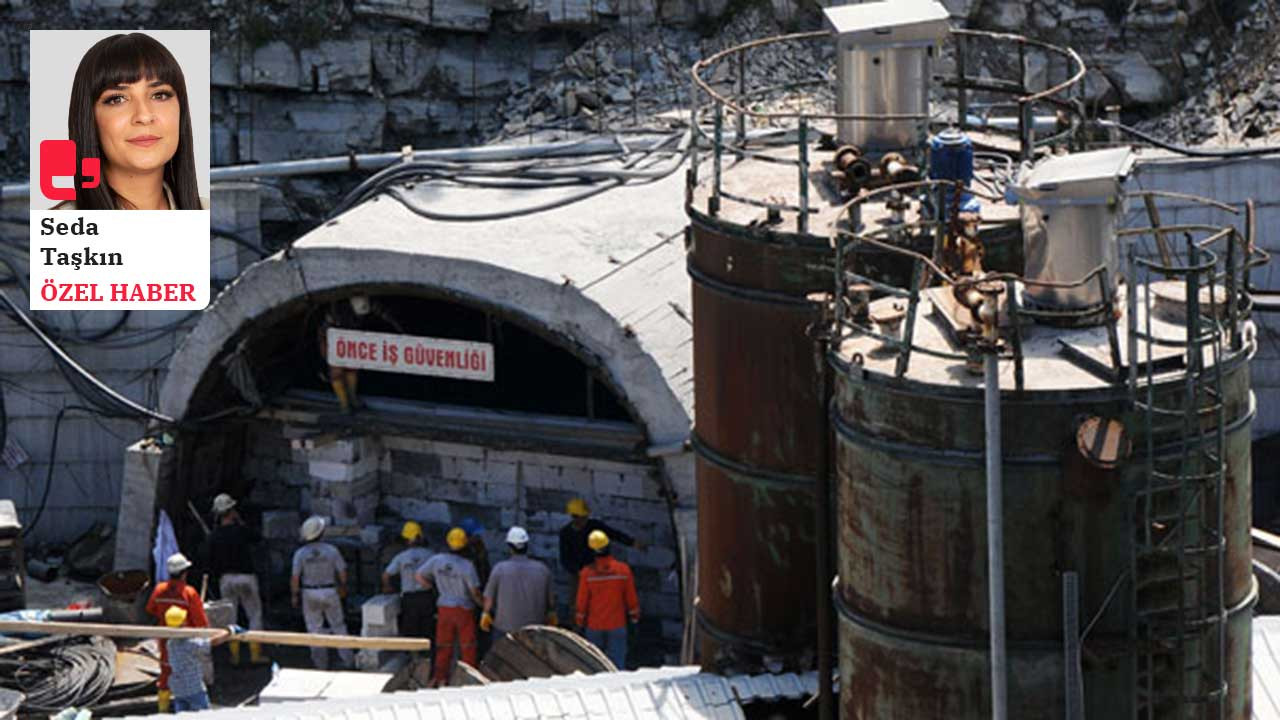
124, 597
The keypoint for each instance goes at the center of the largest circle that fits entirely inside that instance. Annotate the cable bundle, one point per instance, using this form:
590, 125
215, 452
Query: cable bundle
76, 672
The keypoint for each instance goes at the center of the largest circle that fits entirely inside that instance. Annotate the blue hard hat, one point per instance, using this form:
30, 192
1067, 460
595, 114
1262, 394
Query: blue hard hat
471, 525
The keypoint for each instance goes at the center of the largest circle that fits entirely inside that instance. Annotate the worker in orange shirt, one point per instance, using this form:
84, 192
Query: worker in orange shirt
174, 592
606, 600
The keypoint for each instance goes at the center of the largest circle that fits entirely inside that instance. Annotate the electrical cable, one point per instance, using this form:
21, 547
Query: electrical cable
239, 240
72, 369
74, 672
611, 179
1182, 149
53, 457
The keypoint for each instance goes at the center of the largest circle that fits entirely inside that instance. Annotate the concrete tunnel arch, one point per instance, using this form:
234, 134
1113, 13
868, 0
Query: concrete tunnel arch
557, 311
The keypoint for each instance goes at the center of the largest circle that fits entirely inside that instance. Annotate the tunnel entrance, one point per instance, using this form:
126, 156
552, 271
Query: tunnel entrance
550, 427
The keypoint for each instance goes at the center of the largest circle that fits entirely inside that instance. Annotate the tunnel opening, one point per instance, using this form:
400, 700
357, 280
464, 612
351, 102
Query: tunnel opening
551, 426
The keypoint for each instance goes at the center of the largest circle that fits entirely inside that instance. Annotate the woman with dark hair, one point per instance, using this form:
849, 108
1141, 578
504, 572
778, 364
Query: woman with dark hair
129, 108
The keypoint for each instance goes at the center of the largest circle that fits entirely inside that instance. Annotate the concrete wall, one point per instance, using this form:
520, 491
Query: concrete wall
1231, 181
439, 483
133, 360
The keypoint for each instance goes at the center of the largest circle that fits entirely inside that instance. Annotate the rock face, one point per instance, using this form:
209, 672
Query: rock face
293, 79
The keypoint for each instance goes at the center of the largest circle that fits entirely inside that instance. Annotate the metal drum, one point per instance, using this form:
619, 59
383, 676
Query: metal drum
912, 551
758, 441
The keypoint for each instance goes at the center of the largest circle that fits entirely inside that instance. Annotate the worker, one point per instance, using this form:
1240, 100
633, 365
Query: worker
355, 313
174, 592
478, 554
574, 552
607, 600
231, 557
319, 584
187, 679
417, 605
454, 577
476, 551
521, 588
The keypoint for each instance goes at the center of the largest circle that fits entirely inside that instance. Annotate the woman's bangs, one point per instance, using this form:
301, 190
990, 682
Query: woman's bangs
126, 59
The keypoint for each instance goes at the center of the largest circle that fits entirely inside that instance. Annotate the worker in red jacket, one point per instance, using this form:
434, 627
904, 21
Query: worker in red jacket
606, 600
174, 592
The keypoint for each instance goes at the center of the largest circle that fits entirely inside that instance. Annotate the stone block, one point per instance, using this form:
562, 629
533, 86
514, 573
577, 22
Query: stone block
500, 472
455, 491
345, 490
499, 494
223, 69
380, 609
338, 471
460, 15
418, 11
471, 470
275, 65
420, 464
344, 450
337, 65
280, 524
629, 484
411, 508
402, 63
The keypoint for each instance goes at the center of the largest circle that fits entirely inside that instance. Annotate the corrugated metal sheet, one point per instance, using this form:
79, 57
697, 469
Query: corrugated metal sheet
1266, 667
669, 693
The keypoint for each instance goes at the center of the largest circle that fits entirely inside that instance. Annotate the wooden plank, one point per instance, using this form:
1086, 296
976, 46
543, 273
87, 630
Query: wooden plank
263, 636
29, 644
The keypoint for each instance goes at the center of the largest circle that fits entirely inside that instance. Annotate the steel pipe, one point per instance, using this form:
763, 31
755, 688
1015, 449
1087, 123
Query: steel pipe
995, 536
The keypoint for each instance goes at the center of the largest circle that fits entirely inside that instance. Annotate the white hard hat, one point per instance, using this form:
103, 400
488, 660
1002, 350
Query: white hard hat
517, 536
360, 303
313, 528
223, 504
176, 563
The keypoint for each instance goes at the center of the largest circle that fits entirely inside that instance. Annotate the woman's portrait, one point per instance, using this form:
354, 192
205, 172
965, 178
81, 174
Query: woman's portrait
130, 109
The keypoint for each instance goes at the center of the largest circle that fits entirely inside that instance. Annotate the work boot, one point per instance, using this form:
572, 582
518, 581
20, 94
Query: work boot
255, 654
234, 645
162, 700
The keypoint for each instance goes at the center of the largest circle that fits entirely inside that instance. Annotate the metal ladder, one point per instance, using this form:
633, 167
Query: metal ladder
1178, 549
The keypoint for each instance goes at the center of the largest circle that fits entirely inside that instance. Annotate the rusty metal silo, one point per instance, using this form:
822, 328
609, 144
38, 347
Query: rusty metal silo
1122, 429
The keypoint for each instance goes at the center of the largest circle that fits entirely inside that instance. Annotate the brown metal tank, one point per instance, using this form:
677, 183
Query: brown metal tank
912, 599
758, 441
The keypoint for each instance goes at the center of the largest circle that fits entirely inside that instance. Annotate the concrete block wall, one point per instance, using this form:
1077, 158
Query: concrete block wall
439, 484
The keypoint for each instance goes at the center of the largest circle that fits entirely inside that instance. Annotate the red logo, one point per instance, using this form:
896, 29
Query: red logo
58, 159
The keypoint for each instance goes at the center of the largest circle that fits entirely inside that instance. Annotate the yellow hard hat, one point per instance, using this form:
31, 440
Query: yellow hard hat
411, 531
457, 538
597, 540
175, 616
577, 507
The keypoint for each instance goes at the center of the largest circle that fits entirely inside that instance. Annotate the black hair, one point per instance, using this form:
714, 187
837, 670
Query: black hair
123, 60
518, 549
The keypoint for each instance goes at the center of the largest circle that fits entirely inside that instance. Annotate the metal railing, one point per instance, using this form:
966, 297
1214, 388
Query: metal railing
726, 111
1240, 255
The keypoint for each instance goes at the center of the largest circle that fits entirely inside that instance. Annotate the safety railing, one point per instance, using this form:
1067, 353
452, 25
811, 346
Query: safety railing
1238, 253
722, 96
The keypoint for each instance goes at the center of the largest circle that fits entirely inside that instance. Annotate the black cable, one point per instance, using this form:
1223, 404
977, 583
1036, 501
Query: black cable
74, 672
1184, 150
53, 456
239, 240
73, 369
